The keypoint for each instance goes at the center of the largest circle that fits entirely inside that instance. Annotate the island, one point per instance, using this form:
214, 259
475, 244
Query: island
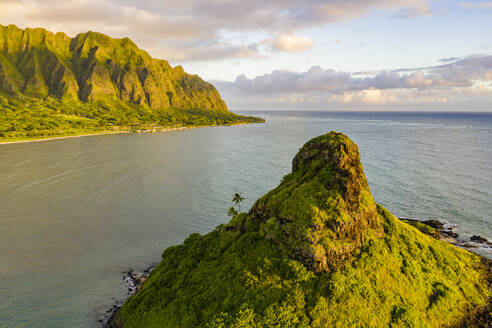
316, 251
52, 85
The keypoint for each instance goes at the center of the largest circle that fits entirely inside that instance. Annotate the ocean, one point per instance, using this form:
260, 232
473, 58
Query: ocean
76, 213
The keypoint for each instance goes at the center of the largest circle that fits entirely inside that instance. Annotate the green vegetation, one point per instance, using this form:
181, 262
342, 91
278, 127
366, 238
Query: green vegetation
423, 227
232, 211
52, 85
314, 252
26, 117
237, 199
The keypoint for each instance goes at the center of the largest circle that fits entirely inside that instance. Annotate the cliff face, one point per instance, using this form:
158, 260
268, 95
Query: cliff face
316, 251
93, 67
322, 212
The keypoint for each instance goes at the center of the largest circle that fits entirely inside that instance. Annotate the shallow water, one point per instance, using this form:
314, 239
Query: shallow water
75, 213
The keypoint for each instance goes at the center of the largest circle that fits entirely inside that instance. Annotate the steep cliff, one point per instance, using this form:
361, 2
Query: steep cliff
316, 251
90, 75
93, 66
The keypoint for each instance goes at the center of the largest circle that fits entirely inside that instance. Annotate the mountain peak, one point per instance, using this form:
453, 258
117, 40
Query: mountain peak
323, 211
336, 158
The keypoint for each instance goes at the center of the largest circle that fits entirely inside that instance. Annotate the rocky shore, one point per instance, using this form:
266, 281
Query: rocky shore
447, 232
133, 281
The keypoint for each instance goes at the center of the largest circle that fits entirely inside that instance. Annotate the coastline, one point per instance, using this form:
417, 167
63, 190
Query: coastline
446, 232
133, 281
153, 130
62, 137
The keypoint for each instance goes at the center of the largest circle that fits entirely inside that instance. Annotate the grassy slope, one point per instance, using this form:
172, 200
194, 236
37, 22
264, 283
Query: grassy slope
234, 279
243, 275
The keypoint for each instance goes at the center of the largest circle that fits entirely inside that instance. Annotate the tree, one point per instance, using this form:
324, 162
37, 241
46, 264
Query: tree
238, 199
232, 212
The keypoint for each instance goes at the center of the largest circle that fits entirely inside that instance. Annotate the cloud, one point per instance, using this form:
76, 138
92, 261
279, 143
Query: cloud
414, 11
449, 59
291, 43
169, 23
325, 86
465, 71
207, 53
477, 5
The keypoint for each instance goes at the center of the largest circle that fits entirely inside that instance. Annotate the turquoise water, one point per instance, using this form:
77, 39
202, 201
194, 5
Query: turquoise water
75, 213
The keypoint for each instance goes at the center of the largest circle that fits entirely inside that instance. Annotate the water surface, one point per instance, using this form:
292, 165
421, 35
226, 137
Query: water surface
75, 213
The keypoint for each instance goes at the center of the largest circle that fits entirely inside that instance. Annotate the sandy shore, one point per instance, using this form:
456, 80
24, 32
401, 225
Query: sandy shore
117, 132
62, 137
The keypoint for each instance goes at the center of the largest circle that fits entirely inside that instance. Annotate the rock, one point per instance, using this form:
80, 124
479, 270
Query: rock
345, 213
468, 245
436, 224
479, 239
451, 234
446, 232
449, 230
429, 227
133, 283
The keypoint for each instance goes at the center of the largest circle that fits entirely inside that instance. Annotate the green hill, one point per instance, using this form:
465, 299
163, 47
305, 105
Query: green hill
316, 251
52, 84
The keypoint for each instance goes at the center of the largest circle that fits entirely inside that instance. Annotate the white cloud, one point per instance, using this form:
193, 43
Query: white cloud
291, 43
477, 4
206, 53
463, 78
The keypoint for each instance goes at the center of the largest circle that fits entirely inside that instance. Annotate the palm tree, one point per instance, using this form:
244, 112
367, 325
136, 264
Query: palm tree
238, 199
232, 212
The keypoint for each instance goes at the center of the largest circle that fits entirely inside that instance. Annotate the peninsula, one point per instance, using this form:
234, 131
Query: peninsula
52, 85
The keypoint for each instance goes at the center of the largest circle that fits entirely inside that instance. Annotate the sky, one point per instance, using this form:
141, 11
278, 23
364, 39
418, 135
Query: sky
302, 55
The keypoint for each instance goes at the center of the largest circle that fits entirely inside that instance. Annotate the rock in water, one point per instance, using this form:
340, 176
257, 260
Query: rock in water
479, 239
316, 251
322, 212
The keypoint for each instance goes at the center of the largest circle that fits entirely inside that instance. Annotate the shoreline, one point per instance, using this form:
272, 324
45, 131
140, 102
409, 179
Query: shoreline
446, 232
62, 137
133, 281
154, 130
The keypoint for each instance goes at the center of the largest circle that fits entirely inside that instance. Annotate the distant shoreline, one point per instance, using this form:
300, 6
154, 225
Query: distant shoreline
117, 132
62, 137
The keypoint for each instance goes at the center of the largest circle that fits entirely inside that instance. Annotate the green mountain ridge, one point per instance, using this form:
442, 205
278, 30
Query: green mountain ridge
316, 251
96, 77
